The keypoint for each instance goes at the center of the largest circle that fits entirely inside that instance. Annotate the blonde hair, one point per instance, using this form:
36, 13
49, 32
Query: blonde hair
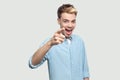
66, 8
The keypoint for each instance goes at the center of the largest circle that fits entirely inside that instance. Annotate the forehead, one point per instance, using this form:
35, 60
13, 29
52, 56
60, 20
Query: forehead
68, 16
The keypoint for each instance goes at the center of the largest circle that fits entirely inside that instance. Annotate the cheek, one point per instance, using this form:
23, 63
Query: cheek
74, 25
63, 25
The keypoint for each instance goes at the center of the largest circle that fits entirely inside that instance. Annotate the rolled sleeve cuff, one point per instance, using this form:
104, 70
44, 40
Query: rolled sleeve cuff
31, 65
86, 75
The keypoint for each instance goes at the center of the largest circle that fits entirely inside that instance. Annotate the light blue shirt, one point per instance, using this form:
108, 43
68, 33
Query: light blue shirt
66, 61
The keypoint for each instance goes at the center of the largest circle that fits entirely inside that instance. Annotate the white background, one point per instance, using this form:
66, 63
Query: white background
25, 23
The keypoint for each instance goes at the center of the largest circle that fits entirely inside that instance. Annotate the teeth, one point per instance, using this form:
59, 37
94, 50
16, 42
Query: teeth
68, 30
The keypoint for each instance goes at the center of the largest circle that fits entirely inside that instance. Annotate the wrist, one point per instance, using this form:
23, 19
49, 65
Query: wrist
50, 43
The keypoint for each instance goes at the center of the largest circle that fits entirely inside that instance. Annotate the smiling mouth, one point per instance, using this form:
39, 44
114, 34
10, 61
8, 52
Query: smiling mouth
68, 31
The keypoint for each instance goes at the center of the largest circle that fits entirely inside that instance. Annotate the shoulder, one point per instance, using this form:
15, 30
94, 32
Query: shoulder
79, 41
77, 37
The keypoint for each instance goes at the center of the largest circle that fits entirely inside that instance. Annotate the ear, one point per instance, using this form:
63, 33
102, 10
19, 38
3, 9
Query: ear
58, 20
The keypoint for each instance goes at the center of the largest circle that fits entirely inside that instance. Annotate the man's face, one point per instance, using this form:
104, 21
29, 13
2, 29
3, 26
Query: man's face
67, 21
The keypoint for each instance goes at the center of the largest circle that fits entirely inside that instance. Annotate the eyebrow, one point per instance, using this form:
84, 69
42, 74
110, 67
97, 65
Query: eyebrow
68, 20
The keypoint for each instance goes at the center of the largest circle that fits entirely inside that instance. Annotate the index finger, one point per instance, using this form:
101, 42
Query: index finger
60, 30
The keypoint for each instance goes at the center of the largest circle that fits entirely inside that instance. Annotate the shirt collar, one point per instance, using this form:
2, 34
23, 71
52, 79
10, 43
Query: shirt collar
70, 38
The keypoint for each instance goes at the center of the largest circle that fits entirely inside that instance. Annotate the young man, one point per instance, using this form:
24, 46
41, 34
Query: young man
64, 51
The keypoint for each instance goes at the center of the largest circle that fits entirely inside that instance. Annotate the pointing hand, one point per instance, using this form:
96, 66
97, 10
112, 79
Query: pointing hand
58, 37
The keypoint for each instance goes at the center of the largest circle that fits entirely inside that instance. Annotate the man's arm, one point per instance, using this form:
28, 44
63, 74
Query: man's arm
57, 38
86, 74
86, 78
40, 53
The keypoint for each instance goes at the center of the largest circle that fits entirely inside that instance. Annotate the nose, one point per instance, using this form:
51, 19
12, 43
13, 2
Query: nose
70, 25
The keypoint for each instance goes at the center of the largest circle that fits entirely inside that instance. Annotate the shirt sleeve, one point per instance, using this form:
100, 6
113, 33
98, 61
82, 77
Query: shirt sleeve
43, 60
35, 66
85, 64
